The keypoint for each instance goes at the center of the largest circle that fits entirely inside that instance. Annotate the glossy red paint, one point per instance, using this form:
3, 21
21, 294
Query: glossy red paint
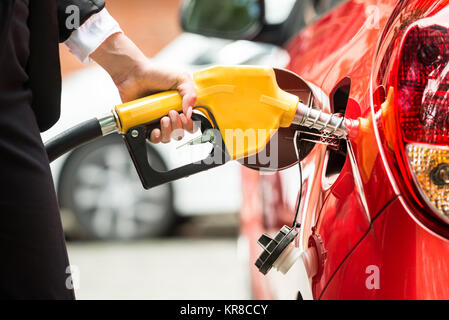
363, 217
412, 262
251, 225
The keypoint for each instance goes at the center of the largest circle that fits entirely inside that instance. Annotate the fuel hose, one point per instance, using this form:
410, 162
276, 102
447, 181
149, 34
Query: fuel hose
79, 135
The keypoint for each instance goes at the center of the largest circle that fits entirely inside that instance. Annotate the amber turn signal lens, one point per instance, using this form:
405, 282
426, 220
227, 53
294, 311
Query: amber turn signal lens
430, 165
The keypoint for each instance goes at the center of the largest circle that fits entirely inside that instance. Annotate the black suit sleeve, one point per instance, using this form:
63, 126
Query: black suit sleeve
86, 8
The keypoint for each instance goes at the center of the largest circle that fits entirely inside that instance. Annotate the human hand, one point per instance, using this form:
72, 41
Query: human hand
135, 76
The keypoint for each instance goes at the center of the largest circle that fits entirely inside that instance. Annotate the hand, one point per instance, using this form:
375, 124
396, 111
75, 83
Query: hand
135, 77
148, 79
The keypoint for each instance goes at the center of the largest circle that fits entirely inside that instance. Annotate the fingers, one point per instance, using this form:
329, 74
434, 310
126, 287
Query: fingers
176, 125
172, 126
166, 129
156, 136
186, 88
187, 123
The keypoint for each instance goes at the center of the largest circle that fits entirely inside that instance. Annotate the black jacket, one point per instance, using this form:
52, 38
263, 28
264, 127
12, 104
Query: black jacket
47, 22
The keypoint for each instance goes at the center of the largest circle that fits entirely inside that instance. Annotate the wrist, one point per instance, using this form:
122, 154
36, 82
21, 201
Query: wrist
119, 56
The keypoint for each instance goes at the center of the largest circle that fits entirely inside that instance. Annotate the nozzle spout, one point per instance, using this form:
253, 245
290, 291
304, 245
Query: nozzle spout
328, 123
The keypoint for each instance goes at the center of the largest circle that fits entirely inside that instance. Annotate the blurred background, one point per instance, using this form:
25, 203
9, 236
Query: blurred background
151, 24
176, 241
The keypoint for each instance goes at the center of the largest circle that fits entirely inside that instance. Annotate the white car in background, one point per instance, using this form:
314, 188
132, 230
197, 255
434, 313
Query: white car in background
99, 192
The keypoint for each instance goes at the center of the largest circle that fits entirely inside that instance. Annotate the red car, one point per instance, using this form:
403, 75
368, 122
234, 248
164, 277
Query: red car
376, 214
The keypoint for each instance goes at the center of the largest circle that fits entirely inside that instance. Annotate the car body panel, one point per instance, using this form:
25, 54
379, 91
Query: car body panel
346, 206
409, 259
350, 213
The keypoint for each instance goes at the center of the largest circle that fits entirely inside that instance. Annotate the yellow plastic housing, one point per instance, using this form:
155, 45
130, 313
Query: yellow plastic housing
423, 159
245, 101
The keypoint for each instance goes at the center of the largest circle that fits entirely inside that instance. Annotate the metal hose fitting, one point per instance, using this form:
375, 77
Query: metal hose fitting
327, 123
108, 124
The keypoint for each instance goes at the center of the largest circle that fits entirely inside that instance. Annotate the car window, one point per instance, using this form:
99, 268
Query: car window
277, 11
323, 6
305, 12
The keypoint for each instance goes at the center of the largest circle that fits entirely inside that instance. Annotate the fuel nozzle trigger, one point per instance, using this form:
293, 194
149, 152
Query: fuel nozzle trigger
207, 136
136, 140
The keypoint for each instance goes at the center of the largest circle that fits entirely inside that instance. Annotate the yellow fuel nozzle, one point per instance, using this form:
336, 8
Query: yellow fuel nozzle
244, 103
243, 108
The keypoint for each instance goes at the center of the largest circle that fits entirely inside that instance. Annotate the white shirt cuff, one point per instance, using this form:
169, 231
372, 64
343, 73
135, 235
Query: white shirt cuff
91, 34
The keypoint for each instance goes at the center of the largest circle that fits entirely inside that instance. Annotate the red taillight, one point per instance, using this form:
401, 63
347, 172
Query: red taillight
421, 104
423, 86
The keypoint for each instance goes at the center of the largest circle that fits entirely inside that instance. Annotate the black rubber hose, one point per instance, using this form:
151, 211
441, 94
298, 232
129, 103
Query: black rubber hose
73, 138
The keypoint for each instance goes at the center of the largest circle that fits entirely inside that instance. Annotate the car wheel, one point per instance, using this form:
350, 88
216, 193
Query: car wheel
100, 186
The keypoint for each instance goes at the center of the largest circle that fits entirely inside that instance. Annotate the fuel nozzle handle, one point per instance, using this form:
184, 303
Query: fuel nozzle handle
328, 123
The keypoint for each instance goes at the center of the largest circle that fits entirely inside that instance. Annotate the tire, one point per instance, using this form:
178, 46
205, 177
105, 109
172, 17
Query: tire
100, 186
